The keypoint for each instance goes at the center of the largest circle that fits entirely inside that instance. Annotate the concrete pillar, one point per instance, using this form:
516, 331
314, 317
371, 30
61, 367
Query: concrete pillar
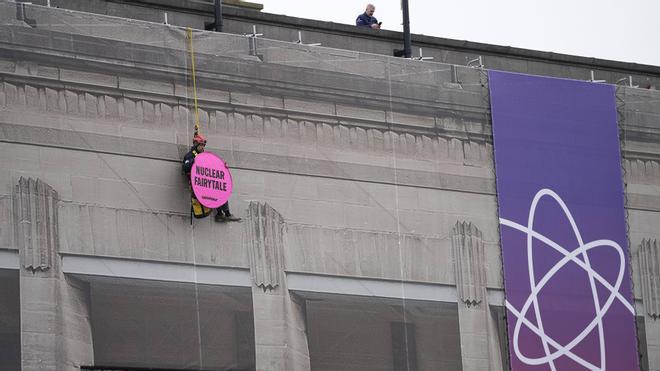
648, 260
55, 323
652, 329
480, 344
55, 320
473, 326
279, 317
480, 348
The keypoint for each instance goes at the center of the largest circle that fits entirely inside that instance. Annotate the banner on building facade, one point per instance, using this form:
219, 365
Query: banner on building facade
211, 180
562, 224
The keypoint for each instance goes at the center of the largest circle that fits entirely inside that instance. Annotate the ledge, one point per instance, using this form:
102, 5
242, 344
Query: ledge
99, 266
309, 284
9, 259
438, 42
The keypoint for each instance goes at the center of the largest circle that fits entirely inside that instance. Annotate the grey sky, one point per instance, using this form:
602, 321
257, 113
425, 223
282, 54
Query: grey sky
623, 30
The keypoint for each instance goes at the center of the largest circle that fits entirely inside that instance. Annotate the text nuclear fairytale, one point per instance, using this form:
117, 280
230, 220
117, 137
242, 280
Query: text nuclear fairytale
217, 183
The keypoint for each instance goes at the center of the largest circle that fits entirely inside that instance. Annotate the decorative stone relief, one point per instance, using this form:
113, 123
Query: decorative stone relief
469, 266
649, 270
264, 236
35, 220
76, 101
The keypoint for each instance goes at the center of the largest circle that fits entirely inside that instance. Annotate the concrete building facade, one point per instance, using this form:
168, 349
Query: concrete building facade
366, 184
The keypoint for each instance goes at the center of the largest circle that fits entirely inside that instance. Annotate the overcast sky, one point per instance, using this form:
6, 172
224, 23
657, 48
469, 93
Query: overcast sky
623, 30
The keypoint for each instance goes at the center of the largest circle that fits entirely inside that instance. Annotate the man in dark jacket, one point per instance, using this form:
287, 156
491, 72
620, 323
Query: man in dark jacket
367, 18
199, 142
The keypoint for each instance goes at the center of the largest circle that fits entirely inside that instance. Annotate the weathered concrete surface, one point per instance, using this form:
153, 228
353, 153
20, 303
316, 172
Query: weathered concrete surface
55, 323
280, 328
347, 37
54, 309
480, 348
369, 161
652, 343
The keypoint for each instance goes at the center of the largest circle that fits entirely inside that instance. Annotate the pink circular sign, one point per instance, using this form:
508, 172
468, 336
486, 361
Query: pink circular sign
210, 180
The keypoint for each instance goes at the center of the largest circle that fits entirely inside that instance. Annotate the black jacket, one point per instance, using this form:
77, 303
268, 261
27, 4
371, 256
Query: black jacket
364, 20
189, 160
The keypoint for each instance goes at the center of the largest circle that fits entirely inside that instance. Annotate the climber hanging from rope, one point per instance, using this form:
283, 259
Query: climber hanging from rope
198, 210
212, 179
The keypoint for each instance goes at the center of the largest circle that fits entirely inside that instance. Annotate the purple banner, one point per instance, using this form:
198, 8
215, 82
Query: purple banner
562, 224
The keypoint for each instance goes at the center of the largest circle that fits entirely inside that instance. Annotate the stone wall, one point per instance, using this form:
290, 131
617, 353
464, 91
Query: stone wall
373, 168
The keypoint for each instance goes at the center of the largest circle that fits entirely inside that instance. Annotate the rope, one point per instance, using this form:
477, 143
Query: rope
194, 79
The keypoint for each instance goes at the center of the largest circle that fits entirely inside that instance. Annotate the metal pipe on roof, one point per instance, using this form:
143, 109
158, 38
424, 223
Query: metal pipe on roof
217, 14
407, 49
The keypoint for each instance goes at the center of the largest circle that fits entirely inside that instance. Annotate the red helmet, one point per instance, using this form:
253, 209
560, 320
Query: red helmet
199, 139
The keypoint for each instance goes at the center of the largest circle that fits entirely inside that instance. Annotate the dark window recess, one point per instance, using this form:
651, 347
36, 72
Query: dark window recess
404, 348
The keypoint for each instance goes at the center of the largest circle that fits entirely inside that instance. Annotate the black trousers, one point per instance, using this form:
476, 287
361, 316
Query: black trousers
224, 209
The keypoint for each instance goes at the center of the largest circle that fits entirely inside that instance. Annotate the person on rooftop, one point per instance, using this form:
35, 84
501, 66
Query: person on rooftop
367, 18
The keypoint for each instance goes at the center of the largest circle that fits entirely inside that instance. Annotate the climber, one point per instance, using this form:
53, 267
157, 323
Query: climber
199, 211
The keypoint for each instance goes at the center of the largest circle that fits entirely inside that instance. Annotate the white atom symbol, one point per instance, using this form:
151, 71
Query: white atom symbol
532, 300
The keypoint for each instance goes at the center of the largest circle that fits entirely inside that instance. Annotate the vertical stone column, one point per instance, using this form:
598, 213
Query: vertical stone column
479, 341
279, 317
55, 322
648, 260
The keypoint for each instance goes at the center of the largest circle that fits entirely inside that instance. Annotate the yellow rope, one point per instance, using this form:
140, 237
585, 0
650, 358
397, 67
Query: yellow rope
192, 59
